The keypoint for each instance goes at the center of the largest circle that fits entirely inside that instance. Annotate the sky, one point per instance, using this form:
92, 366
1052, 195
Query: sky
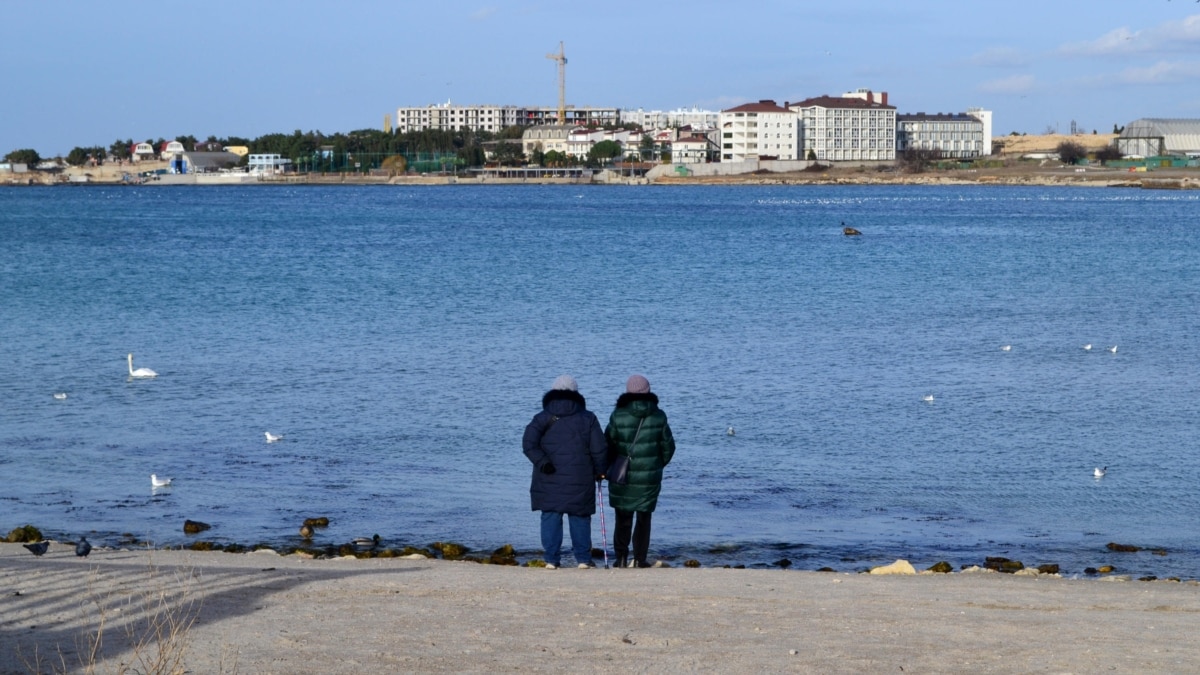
84, 73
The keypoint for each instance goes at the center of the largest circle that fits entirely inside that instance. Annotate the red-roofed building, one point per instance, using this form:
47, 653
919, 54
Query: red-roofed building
762, 130
857, 126
693, 150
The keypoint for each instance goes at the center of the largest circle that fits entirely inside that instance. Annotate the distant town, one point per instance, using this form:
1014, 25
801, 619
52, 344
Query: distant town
859, 128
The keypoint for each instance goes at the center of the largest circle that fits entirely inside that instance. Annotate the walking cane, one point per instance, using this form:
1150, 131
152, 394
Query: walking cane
603, 526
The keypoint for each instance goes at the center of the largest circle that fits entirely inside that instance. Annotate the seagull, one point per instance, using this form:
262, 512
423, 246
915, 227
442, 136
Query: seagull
271, 438
1087, 347
61, 396
1113, 349
1099, 473
155, 481
83, 548
730, 431
928, 398
140, 372
39, 548
1006, 348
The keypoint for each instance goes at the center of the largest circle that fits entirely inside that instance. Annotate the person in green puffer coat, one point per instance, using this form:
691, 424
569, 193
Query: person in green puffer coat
648, 454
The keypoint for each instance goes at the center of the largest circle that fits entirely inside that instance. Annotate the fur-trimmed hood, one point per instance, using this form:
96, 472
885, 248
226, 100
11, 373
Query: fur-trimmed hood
563, 402
627, 400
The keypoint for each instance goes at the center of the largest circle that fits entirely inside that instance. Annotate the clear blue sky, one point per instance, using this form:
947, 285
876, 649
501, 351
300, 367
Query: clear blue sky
80, 73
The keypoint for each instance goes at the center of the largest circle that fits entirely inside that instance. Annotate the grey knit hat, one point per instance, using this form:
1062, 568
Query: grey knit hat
565, 383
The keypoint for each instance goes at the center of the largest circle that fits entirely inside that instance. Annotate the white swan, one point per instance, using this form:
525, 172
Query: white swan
1006, 348
928, 398
1087, 347
271, 438
140, 372
61, 396
1113, 349
730, 431
1099, 473
155, 481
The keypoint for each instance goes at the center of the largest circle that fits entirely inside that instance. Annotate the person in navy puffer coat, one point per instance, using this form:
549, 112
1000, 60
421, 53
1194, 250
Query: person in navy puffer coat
566, 445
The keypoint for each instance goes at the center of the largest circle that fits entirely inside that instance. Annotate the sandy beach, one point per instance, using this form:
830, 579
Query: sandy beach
264, 613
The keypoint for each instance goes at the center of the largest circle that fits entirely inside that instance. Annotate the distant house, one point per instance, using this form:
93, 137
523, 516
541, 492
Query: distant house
547, 137
266, 163
143, 152
203, 162
14, 167
170, 149
693, 150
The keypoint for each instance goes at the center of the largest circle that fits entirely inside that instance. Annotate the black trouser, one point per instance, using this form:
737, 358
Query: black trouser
641, 535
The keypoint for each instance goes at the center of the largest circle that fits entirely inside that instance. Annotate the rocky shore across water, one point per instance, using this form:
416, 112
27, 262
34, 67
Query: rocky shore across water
263, 612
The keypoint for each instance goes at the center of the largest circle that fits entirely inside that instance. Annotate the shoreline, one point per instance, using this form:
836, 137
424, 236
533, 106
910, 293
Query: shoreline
261, 612
1012, 174
1100, 561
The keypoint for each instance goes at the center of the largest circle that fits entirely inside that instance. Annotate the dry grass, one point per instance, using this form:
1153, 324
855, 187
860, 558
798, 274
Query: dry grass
150, 621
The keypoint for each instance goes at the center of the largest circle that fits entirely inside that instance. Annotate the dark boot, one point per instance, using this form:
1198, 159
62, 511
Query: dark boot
622, 560
641, 563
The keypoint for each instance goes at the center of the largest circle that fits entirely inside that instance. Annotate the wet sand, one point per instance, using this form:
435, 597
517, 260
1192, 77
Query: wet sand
260, 612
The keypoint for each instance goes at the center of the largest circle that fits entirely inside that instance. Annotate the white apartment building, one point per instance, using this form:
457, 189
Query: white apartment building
759, 131
953, 135
856, 126
670, 119
449, 117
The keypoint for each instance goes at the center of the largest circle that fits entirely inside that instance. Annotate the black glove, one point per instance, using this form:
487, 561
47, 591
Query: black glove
548, 468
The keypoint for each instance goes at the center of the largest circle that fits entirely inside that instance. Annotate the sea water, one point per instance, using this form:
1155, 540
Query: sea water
400, 338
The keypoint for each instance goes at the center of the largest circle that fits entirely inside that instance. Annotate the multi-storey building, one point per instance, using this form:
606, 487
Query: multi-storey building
762, 130
853, 127
952, 135
449, 117
670, 119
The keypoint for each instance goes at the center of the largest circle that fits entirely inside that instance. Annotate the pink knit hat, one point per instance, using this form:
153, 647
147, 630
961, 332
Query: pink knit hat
637, 384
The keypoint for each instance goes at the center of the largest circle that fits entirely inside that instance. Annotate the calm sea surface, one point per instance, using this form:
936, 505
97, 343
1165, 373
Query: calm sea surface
401, 338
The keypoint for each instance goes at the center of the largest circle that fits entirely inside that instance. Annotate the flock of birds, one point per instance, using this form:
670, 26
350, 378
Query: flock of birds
143, 373
929, 398
82, 547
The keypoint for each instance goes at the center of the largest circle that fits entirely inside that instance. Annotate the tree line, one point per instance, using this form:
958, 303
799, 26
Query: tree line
466, 144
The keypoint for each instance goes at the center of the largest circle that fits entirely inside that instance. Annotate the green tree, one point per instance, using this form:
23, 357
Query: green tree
508, 154
121, 149
604, 151
24, 156
647, 148
80, 156
1071, 152
538, 157
1108, 153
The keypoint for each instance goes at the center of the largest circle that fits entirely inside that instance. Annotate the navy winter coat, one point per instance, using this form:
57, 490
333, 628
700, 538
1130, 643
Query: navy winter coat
568, 435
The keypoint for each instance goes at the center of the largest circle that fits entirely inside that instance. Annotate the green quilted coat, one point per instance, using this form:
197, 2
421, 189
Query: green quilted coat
654, 449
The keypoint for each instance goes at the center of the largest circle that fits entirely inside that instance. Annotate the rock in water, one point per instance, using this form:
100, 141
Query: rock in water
194, 526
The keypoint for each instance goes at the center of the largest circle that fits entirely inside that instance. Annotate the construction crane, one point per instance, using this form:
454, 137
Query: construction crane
561, 59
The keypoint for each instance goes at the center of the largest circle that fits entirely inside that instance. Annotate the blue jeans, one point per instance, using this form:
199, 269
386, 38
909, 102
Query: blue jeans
552, 535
